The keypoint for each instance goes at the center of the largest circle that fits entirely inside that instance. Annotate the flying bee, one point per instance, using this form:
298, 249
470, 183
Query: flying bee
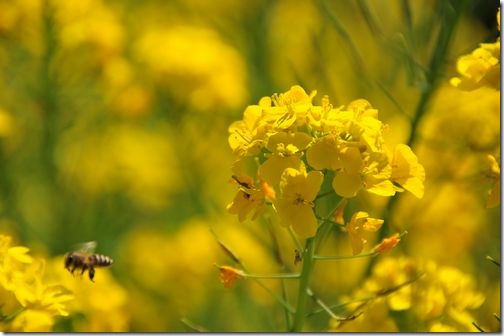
86, 260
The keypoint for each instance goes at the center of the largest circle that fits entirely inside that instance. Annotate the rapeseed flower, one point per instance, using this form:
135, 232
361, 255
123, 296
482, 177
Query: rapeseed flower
104, 302
248, 198
433, 297
122, 157
407, 172
292, 139
29, 303
481, 67
194, 64
286, 151
295, 203
359, 227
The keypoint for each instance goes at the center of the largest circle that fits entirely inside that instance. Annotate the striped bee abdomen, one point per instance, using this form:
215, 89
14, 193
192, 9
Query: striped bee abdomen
100, 260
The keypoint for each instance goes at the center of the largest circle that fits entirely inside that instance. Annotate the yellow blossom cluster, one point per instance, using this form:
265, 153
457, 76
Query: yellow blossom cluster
28, 302
435, 297
481, 67
103, 302
297, 145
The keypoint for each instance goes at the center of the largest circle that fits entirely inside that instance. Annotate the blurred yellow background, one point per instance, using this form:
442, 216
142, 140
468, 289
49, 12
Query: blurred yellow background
114, 122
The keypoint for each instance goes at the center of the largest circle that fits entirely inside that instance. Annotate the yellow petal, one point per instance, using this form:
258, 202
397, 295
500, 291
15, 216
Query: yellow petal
20, 254
304, 222
347, 184
314, 181
324, 154
406, 170
271, 170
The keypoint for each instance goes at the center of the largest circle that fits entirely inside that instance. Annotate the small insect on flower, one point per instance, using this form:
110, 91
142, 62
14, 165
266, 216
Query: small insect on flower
86, 260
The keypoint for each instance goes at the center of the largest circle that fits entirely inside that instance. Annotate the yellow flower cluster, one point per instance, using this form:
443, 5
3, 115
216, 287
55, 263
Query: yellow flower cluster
481, 67
28, 304
103, 303
298, 144
438, 298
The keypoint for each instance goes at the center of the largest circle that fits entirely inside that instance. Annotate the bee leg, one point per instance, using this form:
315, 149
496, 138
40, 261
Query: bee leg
84, 268
91, 273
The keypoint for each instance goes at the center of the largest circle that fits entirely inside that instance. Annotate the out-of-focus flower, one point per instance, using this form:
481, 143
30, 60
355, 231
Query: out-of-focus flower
476, 125
376, 318
90, 22
481, 67
440, 327
359, 227
295, 204
194, 64
494, 173
431, 296
183, 268
6, 124
103, 303
123, 156
28, 301
124, 92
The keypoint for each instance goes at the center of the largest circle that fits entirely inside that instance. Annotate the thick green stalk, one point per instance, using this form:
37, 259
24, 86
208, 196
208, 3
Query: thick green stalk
302, 299
436, 67
437, 63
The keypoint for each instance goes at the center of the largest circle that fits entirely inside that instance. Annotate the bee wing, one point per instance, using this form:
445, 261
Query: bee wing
87, 247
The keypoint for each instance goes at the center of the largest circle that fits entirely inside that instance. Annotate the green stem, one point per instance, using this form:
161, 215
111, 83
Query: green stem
279, 299
272, 276
302, 299
369, 254
437, 63
433, 76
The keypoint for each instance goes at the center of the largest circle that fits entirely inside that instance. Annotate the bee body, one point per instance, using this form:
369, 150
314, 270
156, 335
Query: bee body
86, 261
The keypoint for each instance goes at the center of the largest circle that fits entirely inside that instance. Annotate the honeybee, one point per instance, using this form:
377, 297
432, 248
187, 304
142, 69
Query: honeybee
86, 260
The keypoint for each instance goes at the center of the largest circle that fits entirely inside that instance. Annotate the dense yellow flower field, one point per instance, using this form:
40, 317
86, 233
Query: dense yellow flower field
250, 166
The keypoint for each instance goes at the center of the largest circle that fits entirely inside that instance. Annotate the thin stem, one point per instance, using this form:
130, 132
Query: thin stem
321, 304
287, 314
362, 255
495, 262
233, 256
478, 327
192, 326
272, 276
280, 261
295, 239
284, 304
341, 305
308, 263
